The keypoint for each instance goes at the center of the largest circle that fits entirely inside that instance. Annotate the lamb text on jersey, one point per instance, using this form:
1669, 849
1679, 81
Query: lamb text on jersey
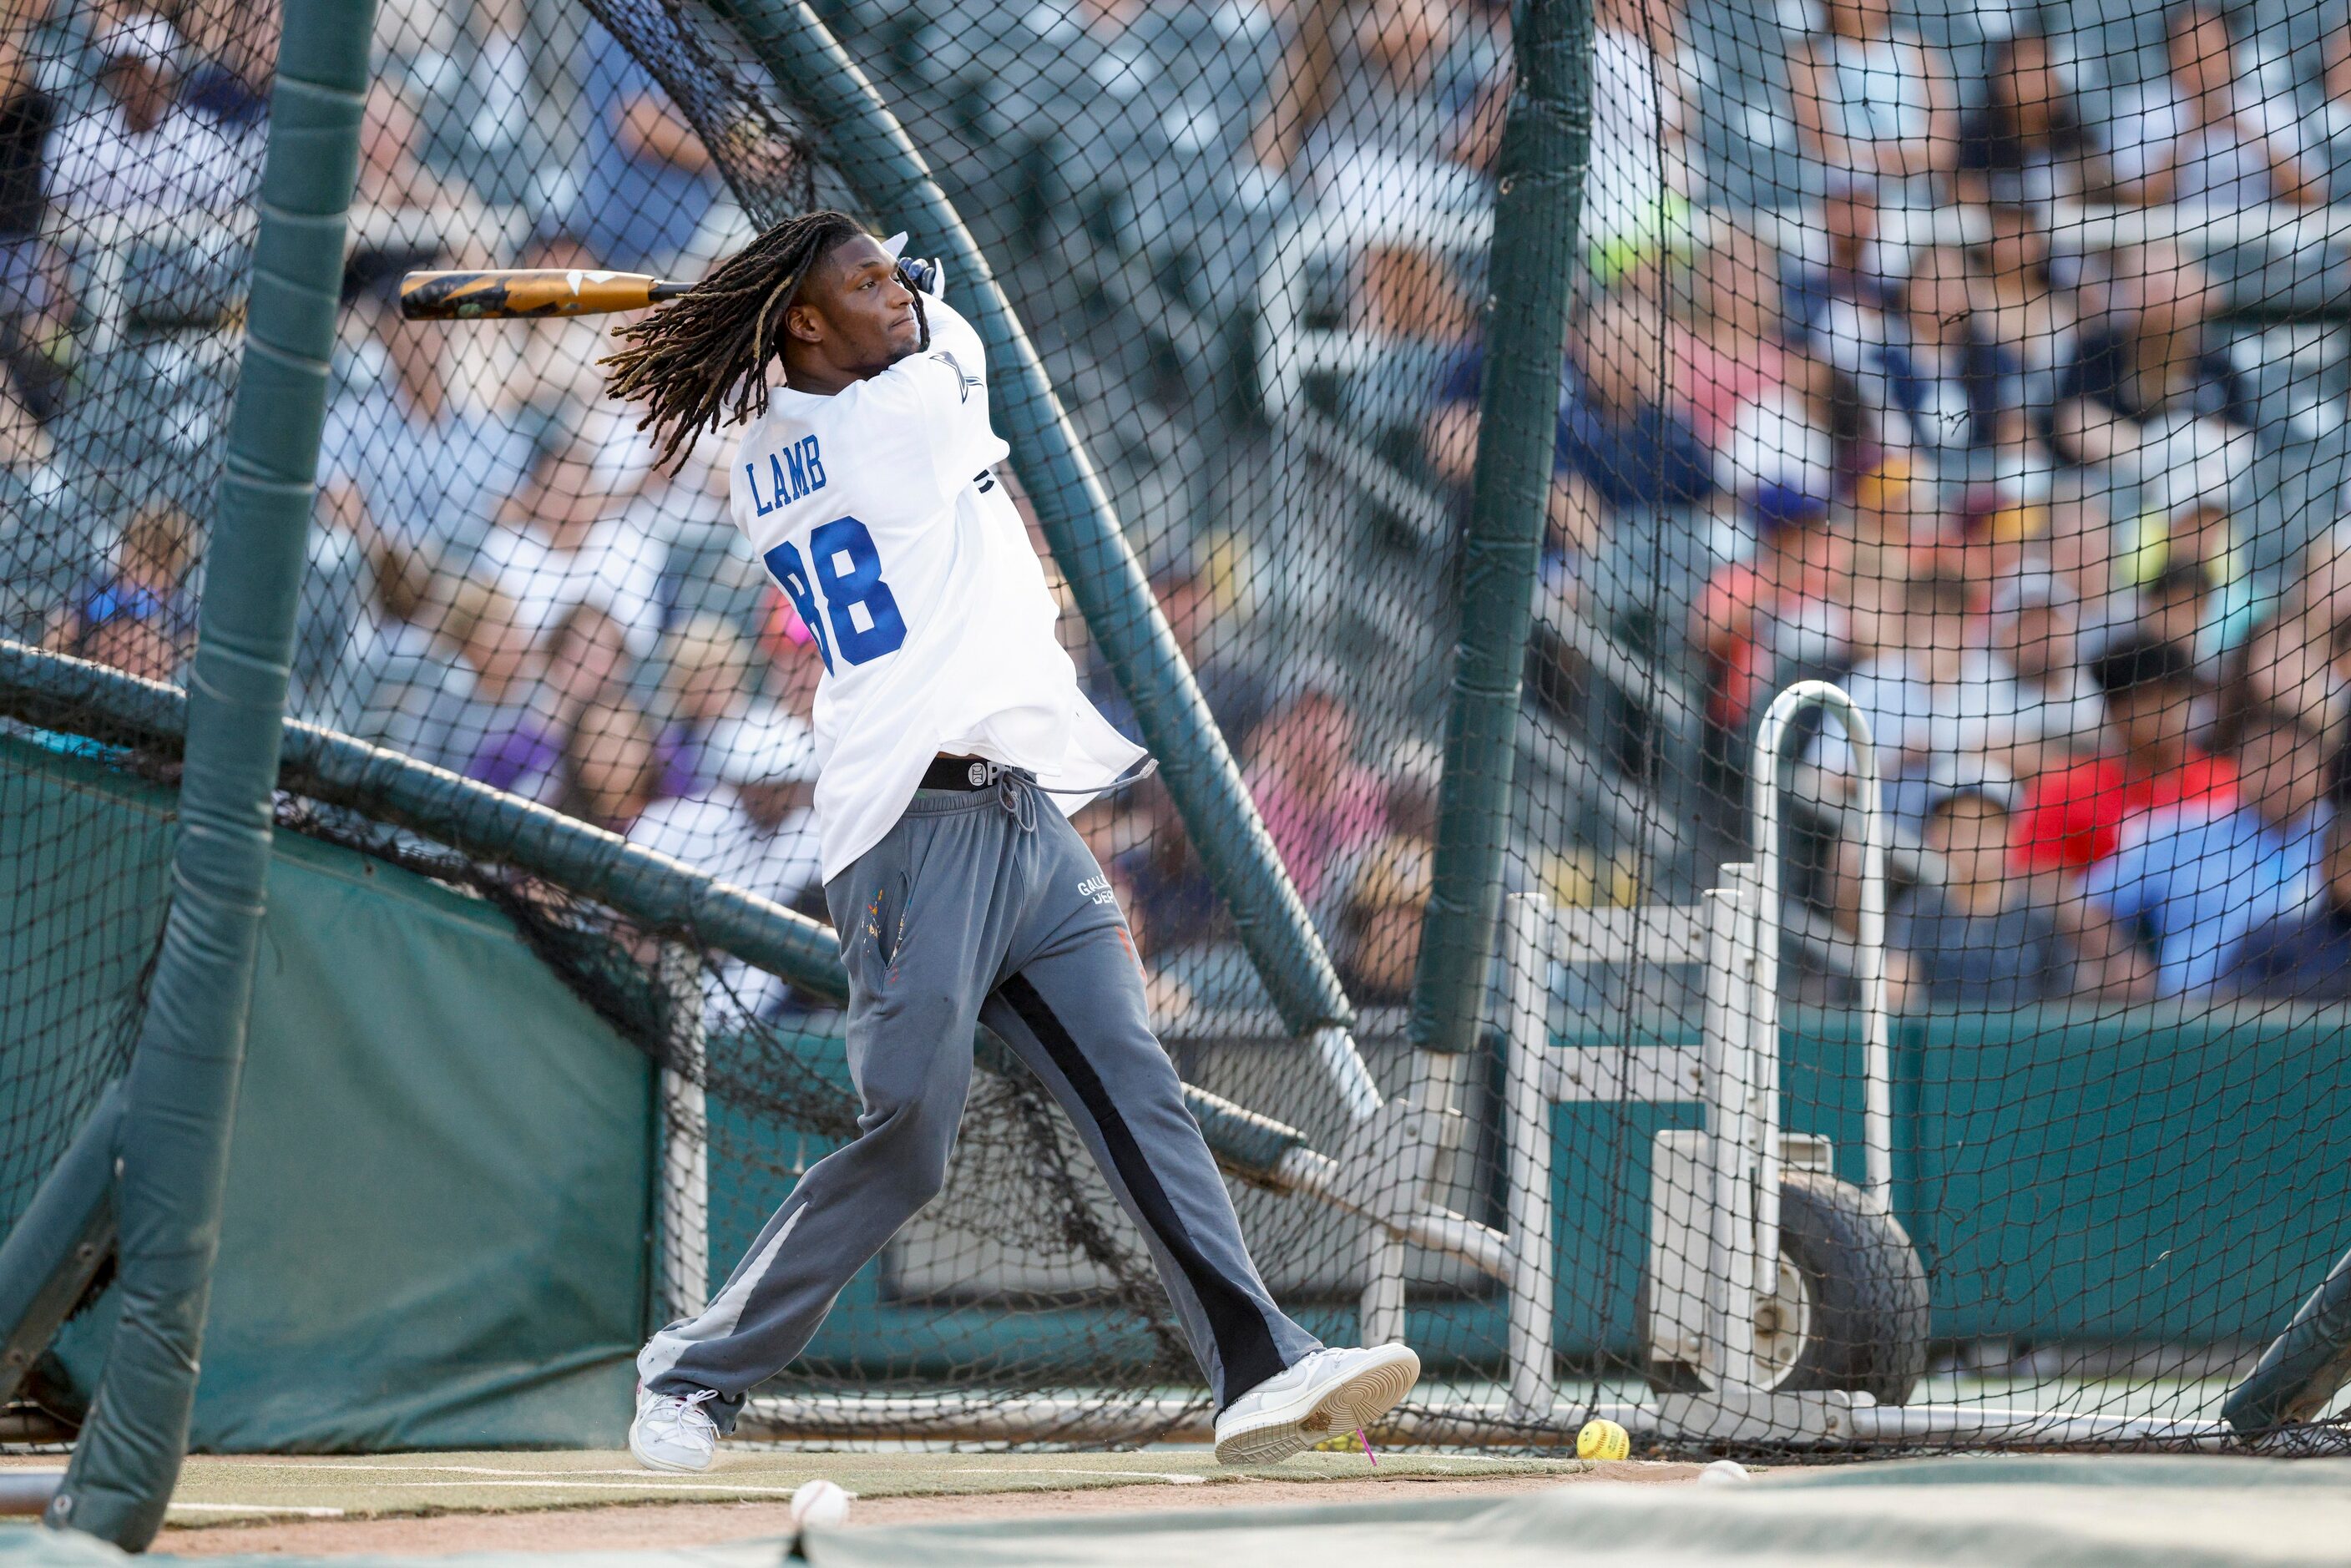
798, 470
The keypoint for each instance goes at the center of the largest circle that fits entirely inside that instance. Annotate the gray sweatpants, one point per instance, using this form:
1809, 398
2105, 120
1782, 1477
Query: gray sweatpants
985, 908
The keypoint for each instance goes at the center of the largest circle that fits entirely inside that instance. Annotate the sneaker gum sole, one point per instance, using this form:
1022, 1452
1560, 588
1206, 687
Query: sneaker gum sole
1353, 1406
1266, 1444
1363, 1399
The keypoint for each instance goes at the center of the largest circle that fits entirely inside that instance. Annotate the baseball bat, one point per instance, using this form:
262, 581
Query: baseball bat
503, 292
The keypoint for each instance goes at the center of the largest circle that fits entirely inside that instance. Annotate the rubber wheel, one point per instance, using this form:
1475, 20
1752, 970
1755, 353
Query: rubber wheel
1866, 1289
1850, 1312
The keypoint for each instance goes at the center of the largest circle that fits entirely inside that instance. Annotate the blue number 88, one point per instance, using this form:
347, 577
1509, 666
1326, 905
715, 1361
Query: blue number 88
849, 571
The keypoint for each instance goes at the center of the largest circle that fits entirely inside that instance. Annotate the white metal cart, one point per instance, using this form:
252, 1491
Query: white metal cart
1778, 1303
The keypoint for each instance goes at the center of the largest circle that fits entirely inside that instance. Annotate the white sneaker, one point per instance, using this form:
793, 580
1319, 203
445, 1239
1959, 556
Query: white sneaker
674, 1432
1328, 1393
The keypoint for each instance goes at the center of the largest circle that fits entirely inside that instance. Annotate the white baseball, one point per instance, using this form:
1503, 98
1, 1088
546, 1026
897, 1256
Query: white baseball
820, 1504
1721, 1473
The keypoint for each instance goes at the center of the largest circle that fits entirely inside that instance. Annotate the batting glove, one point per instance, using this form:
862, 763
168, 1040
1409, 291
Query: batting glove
926, 274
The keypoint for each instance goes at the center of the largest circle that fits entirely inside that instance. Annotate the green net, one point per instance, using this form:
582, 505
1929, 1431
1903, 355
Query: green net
1986, 363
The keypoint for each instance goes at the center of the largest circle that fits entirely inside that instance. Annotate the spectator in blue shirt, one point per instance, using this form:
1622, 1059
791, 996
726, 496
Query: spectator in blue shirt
2286, 773
1946, 375
2193, 882
650, 179
2188, 886
2027, 142
137, 615
2307, 958
237, 49
1614, 434
1844, 297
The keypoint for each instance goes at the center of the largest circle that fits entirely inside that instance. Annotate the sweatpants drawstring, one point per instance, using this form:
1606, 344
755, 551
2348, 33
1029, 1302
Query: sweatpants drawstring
1017, 793
1012, 793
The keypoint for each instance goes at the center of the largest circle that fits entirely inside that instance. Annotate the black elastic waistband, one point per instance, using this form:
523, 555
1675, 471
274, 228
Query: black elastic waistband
967, 773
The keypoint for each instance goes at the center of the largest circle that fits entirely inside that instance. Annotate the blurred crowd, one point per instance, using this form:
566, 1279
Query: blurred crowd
2001, 482
2007, 491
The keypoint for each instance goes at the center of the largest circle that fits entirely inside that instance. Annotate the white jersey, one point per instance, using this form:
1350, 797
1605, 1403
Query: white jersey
876, 510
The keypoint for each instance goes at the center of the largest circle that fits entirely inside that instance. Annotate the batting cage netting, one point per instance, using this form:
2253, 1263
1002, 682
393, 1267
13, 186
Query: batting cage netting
1974, 377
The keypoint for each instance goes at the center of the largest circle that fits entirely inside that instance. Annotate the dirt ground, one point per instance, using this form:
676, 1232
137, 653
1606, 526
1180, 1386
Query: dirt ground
408, 1504
709, 1524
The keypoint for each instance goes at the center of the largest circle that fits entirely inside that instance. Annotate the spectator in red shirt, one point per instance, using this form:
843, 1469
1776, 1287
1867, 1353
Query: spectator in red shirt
2075, 816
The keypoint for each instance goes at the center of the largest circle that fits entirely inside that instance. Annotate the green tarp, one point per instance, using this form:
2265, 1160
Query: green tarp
81, 899
440, 1189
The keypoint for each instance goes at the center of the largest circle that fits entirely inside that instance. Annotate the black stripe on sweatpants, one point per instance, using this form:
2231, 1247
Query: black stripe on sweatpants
1243, 1342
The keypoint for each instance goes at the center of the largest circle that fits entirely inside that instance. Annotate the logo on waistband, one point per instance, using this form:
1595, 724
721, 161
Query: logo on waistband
978, 775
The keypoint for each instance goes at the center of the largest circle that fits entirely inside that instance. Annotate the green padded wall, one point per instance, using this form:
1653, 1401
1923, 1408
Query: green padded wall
440, 1187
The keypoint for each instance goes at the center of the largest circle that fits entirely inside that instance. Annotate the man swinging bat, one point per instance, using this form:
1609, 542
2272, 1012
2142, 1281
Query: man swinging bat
952, 740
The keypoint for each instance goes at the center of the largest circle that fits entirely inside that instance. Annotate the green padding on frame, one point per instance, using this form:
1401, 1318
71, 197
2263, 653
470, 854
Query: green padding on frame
434, 1230
180, 1095
2300, 1374
1541, 185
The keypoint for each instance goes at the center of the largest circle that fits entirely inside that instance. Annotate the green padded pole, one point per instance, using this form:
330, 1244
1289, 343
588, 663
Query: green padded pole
180, 1095
863, 142
2300, 1374
61, 1240
1525, 332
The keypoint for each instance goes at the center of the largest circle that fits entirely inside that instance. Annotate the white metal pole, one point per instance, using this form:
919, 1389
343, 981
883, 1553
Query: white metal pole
1335, 1048
1877, 1054
1526, 1043
684, 1201
1729, 1075
1760, 1105
1319, 1177
1878, 1082
1382, 1306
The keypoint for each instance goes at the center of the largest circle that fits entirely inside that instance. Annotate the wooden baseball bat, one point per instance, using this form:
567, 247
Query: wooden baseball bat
518, 291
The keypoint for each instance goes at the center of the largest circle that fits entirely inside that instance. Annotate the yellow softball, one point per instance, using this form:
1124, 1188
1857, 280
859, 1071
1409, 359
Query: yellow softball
1603, 1440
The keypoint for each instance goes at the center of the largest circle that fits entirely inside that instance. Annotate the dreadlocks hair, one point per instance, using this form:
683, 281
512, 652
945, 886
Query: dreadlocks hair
703, 359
